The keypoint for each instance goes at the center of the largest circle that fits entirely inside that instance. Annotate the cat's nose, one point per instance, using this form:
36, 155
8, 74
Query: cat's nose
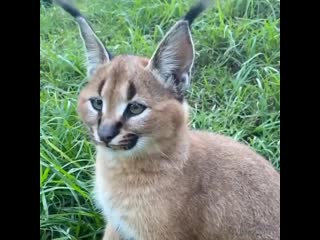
107, 132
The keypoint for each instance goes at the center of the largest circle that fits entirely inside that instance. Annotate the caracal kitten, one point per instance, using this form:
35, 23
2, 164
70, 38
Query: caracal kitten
156, 179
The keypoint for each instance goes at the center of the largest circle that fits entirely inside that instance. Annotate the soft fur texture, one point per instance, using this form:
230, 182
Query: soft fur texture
175, 183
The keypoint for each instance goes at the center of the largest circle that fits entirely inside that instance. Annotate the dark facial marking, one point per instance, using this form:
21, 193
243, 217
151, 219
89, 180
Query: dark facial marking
99, 118
101, 84
119, 125
131, 91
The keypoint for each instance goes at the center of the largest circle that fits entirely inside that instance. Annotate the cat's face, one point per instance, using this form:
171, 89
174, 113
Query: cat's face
133, 103
126, 108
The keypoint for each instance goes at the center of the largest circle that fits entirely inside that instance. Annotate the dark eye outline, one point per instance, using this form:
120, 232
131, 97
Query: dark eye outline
96, 103
129, 110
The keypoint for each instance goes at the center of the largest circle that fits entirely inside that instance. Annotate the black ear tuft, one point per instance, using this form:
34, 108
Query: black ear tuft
69, 8
195, 11
97, 54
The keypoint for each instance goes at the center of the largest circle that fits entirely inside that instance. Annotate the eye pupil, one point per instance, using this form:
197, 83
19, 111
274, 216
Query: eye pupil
134, 108
97, 104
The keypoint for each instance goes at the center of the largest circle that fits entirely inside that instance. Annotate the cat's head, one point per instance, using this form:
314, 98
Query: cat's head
134, 103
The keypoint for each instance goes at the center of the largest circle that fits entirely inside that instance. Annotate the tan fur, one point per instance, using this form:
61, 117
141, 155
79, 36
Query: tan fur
181, 184
156, 179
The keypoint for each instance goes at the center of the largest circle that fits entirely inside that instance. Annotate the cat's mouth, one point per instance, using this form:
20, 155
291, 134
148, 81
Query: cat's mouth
126, 144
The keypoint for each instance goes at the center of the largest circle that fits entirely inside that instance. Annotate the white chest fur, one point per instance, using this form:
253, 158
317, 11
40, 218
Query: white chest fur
112, 211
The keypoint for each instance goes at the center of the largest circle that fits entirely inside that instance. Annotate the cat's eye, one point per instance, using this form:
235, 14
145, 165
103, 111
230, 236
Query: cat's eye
136, 108
96, 103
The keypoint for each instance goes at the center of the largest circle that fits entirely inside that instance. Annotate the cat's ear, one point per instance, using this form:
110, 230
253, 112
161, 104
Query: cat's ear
172, 61
97, 54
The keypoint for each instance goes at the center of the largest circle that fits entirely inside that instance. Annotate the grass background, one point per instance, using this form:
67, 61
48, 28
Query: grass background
235, 90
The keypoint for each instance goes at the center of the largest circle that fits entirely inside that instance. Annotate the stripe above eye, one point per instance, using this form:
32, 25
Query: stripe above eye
101, 84
131, 91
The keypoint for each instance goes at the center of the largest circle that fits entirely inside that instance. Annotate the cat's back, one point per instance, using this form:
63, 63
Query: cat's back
241, 187
215, 150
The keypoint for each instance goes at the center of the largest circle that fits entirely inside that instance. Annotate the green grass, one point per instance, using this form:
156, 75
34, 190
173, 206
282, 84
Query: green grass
235, 91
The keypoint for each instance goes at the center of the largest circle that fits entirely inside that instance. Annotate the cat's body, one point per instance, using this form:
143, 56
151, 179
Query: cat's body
211, 188
155, 178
